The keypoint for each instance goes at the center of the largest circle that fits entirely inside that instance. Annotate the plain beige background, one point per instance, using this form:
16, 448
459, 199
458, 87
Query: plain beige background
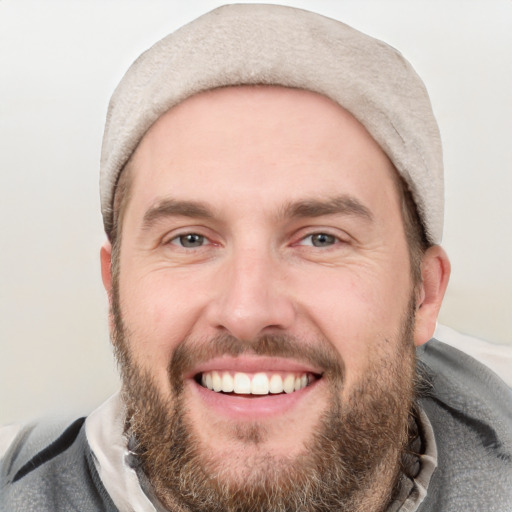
59, 62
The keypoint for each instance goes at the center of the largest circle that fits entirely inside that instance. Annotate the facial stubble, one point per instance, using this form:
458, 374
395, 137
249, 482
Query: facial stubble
352, 461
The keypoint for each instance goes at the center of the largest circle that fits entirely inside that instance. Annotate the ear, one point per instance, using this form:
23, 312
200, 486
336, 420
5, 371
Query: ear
435, 273
106, 267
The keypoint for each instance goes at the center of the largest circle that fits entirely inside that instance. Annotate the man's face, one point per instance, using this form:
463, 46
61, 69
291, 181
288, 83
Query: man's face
263, 254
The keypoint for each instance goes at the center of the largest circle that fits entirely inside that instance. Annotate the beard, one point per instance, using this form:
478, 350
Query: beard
352, 461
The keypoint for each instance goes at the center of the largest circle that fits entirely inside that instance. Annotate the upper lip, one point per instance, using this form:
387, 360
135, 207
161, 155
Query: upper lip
253, 364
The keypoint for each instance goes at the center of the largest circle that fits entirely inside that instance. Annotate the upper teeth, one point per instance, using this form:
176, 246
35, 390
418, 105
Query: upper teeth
254, 384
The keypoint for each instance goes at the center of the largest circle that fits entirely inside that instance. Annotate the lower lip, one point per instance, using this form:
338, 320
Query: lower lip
252, 407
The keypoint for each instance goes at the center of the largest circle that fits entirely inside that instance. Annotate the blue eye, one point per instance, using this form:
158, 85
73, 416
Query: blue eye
322, 240
319, 240
189, 241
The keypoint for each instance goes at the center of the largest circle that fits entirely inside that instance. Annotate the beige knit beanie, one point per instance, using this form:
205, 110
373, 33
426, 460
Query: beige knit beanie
275, 45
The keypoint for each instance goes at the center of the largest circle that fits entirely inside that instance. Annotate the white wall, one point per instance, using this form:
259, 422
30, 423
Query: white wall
59, 62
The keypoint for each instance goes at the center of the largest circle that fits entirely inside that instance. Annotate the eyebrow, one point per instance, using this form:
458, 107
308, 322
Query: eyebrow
339, 205
175, 208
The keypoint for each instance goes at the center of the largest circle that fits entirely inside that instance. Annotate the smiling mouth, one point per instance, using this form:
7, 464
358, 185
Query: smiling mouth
258, 384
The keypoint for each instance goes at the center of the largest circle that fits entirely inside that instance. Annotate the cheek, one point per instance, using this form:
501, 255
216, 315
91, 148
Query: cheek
158, 314
359, 310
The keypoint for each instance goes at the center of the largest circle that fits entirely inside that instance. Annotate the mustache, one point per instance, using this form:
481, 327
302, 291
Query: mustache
192, 352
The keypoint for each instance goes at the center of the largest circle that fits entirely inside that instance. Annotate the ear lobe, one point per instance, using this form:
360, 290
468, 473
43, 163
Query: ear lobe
435, 272
106, 267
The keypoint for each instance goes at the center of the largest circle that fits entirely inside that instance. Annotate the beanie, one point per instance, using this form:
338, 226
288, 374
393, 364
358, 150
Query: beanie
258, 44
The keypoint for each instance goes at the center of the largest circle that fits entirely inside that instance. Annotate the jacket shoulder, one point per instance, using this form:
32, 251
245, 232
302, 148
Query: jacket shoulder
470, 409
51, 468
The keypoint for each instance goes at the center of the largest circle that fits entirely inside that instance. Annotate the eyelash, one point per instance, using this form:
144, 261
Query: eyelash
181, 237
331, 240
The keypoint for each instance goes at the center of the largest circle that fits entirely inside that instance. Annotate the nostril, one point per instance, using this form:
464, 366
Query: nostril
249, 321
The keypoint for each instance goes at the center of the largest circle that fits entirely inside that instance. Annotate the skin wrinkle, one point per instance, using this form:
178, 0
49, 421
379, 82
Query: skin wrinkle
189, 354
337, 468
352, 456
416, 238
338, 205
414, 230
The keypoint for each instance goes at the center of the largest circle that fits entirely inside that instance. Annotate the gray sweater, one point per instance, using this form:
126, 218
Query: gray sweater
470, 410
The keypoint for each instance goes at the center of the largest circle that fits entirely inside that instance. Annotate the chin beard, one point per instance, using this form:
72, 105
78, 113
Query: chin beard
352, 461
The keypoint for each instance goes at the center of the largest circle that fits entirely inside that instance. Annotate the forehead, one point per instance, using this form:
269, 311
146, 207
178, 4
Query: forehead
257, 139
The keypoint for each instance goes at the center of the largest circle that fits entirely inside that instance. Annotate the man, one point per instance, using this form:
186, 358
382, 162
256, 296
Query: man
272, 196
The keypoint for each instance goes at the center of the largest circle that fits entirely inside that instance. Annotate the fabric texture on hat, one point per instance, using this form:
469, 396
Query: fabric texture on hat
249, 44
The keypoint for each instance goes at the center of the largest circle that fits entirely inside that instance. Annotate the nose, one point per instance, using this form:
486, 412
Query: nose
251, 297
